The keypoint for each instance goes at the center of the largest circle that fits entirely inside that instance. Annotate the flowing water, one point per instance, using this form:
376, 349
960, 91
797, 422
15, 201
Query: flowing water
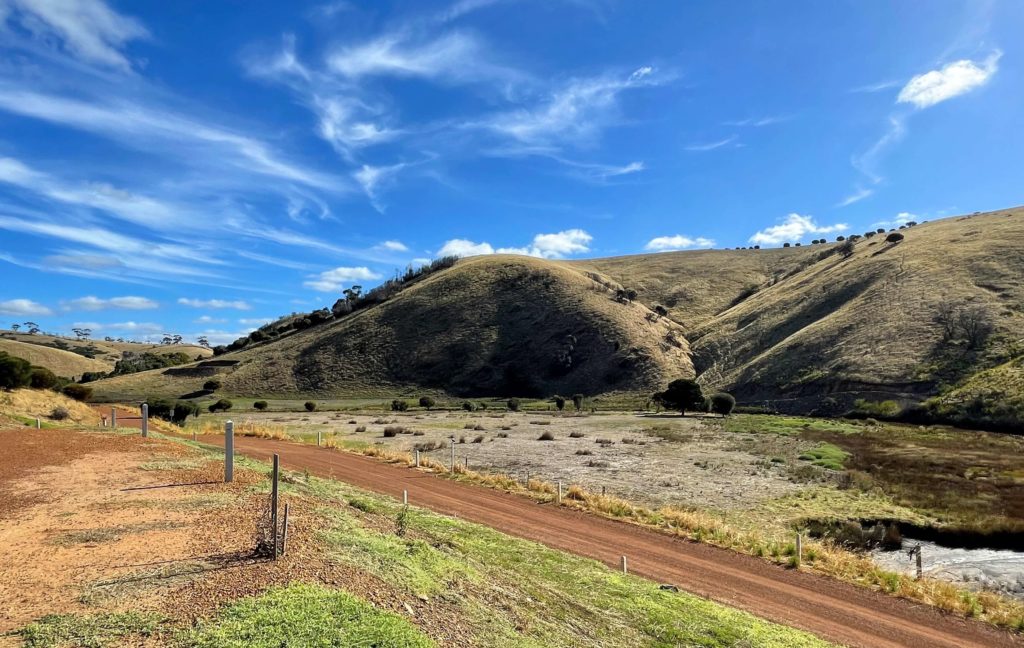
998, 570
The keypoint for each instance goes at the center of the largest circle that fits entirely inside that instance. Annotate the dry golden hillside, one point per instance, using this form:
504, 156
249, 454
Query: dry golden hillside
809, 328
60, 362
66, 356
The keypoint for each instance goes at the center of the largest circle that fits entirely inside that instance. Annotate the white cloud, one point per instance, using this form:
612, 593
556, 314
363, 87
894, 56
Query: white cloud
464, 248
876, 87
860, 194
92, 303
711, 146
255, 321
136, 327
206, 319
793, 229
214, 303
87, 29
19, 307
333, 280
952, 80
678, 242
547, 246
94, 326
393, 246
867, 162
901, 218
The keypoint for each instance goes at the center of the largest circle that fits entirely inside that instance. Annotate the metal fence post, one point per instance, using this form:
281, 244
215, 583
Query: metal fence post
113, 418
145, 420
273, 503
229, 451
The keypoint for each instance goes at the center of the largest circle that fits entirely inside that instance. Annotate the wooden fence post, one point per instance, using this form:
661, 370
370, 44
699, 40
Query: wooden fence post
229, 451
273, 504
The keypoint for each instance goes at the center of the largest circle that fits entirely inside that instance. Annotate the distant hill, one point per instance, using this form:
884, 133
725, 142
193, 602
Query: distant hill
71, 358
809, 328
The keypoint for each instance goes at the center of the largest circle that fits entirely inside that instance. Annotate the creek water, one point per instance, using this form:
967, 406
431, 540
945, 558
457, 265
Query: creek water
999, 570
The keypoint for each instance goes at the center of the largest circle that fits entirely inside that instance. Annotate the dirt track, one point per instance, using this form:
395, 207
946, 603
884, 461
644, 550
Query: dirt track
836, 611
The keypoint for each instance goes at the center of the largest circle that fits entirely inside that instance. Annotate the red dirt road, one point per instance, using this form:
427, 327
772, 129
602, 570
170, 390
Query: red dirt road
836, 611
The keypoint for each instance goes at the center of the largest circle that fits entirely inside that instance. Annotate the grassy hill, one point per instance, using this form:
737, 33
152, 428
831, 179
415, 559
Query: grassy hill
71, 358
816, 327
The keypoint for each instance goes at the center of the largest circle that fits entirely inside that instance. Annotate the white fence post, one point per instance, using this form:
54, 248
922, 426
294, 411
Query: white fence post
113, 418
39, 424
405, 498
625, 569
559, 492
229, 453
417, 458
318, 438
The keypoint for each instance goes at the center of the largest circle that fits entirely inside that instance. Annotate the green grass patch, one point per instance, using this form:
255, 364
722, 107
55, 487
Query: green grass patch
305, 615
785, 425
826, 455
88, 630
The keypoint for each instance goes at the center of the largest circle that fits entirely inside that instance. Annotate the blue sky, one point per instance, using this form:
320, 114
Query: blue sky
202, 167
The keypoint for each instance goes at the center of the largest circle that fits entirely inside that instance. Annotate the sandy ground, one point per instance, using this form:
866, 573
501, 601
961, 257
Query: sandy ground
702, 466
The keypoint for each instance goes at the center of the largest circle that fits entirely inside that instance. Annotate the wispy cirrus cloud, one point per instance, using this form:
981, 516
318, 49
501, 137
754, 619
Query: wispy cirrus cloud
711, 146
92, 303
859, 194
85, 29
793, 229
237, 304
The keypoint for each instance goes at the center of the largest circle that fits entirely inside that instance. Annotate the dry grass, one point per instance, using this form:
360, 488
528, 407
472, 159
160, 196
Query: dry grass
23, 405
60, 362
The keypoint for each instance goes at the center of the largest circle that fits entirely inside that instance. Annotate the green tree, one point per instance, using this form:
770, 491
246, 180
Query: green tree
722, 403
513, 404
222, 405
309, 405
559, 402
467, 406
77, 392
14, 372
212, 385
427, 401
682, 395
399, 405
260, 405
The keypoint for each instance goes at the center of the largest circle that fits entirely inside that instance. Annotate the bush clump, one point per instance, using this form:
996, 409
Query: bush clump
260, 405
547, 436
212, 385
427, 402
894, 237
467, 406
77, 392
513, 404
222, 405
14, 372
43, 378
398, 405
60, 414
722, 403
310, 406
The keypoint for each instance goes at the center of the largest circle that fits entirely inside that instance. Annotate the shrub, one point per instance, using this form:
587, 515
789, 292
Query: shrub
309, 405
479, 439
222, 405
212, 385
482, 406
576, 435
42, 378
894, 237
393, 431
361, 428
14, 372
59, 414
559, 403
585, 453
427, 402
547, 436
77, 392
513, 404
502, 435
260, 405
577, 401
467, 406
399, 405
182, 410
722, 403
785, 245
847, 248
